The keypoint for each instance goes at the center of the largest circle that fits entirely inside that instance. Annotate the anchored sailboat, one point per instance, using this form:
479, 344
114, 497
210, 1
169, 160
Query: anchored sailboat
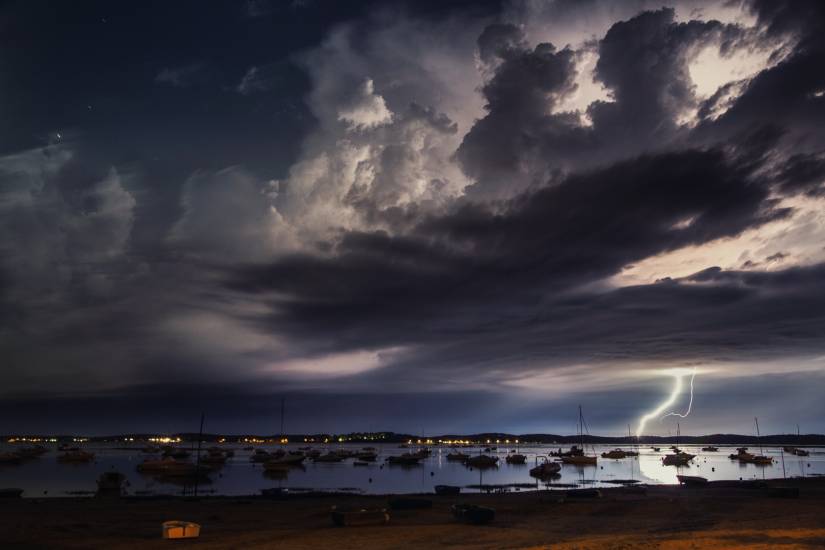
582, 459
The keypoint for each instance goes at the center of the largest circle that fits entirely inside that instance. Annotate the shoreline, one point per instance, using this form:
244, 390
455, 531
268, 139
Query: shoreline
721, 514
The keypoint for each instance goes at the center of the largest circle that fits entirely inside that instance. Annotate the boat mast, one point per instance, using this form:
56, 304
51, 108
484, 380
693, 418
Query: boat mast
581, 428
678, 433
758, 437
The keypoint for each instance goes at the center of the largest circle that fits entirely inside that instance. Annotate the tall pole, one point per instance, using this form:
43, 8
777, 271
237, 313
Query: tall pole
198, 457
280, 439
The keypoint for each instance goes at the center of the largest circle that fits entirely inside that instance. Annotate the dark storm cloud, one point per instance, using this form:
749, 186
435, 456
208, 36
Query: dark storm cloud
376, 289
643, 62
169, 233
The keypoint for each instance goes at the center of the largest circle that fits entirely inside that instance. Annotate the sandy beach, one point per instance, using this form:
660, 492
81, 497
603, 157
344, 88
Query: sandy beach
721, 515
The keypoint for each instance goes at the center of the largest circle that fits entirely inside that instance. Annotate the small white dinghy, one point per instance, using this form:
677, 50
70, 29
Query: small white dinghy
181, 530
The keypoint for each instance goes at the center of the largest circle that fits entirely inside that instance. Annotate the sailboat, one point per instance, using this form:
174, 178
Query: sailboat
582, 459
796, 450
679, 457
756, 459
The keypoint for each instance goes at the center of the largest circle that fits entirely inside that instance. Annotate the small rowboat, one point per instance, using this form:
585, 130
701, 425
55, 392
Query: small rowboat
181, 530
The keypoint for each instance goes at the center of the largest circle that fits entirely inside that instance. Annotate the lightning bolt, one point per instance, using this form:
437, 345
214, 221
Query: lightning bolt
678, 384
690, 403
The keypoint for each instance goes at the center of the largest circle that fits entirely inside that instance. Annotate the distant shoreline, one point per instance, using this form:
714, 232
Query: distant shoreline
806, 440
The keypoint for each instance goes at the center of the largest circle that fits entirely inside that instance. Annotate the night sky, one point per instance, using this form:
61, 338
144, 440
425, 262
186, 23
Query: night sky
428, 217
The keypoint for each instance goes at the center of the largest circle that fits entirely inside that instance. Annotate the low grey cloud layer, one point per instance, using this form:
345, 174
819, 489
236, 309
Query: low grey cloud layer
468, 202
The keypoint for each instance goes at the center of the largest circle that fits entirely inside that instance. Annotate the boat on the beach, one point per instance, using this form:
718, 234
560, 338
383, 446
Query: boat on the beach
110, 483
447, 490
691, 480
482, 461
180, 530
476, 515
76, 457
348, 517
515, 458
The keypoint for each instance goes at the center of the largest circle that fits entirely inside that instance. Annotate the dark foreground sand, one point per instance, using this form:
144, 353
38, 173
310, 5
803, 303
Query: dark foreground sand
665, 517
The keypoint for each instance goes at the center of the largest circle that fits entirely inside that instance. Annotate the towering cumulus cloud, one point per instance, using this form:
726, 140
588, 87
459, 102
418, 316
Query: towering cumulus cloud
534, 204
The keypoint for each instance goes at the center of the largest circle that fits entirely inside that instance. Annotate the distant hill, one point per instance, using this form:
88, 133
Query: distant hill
483, 438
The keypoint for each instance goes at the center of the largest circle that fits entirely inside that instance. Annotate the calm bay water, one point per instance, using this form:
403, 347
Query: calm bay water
44, 476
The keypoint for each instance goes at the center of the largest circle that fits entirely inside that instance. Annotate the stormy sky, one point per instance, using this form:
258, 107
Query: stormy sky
428, 217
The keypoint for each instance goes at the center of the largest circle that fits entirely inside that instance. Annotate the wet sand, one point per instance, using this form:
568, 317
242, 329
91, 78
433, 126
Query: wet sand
717, 516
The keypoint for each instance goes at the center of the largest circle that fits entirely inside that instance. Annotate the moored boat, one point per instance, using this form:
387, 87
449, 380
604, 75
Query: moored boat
78, 457
31, 452
406, 459
171, 467
260, 455
482, 461
329, 457
710, 449
677, 459
10, 458
615, 454
515, 458
288, 460
581, 460
545, 470
691, 480
457, 457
